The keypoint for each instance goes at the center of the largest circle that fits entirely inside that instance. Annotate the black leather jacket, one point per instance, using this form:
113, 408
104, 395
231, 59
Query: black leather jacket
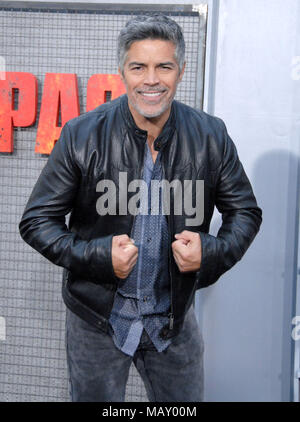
100, 144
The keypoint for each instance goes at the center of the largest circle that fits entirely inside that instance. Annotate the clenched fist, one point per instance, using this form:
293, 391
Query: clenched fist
124, 255
187, 251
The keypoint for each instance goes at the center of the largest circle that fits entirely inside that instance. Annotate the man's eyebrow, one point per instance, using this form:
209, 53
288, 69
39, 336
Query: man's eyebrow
159, 64
167, 64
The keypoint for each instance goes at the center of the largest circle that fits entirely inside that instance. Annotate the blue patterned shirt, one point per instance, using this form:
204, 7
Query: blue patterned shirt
142, 300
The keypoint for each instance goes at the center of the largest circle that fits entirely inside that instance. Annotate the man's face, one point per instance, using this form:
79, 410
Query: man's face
151, 74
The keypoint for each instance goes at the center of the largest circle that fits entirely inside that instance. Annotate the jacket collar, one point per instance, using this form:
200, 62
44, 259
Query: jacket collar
166, 133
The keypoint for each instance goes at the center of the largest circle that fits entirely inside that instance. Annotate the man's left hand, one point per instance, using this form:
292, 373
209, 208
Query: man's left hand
187, 251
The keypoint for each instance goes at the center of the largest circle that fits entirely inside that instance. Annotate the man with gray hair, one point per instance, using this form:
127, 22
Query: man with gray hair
131, 269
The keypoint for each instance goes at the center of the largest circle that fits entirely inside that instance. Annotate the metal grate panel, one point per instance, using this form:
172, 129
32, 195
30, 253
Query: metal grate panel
32, 314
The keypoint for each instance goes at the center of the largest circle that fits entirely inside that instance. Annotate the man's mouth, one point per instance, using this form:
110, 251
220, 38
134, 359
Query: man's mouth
152, 94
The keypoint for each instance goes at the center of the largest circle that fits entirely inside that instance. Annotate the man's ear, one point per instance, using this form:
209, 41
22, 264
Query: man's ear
121, 74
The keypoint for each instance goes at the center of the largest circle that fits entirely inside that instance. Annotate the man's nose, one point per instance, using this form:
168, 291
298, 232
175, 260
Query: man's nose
151, 77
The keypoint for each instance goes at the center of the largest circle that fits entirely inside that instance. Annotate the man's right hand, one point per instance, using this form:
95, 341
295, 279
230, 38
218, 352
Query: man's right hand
124, 255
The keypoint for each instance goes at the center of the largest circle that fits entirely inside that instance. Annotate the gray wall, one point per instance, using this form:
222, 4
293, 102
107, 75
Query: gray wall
247, 315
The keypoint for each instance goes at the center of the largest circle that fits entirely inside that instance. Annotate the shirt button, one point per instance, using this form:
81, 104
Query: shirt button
149, 239
145, 299
164, 332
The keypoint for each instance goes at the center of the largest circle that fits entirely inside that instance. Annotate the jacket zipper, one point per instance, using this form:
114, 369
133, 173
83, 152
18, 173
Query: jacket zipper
171, 314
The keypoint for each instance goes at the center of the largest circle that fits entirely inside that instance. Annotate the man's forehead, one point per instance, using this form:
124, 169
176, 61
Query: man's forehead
157, 46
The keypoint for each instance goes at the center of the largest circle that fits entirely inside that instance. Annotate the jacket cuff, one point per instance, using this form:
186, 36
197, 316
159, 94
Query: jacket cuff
210, 261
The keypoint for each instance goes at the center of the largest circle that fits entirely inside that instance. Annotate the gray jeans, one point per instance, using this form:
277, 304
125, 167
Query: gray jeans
98, 371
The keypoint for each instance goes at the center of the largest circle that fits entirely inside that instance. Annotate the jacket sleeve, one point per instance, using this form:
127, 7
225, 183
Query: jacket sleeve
241, 218
43, 224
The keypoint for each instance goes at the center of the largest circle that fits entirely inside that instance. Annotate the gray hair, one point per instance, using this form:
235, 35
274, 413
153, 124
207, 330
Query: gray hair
155, 26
